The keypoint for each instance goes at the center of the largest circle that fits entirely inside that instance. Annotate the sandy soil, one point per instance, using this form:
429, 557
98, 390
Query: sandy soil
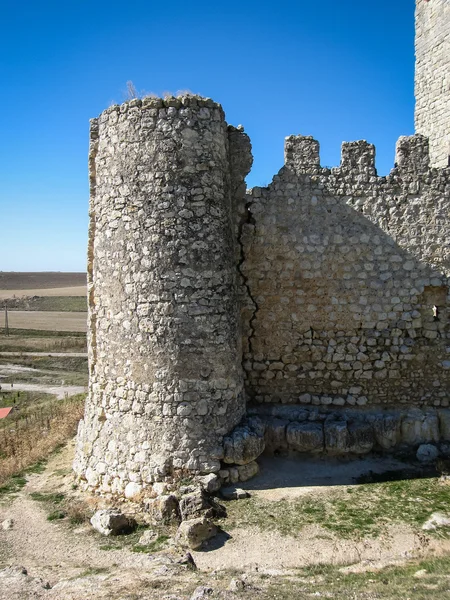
48, 320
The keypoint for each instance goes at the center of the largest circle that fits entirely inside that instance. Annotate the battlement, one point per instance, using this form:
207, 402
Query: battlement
412, 155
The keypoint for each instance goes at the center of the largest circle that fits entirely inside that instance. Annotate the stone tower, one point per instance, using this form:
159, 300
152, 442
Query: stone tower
166, 381
432, 80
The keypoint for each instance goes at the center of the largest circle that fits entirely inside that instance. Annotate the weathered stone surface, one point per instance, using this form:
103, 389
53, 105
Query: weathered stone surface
387, 431
148, 537
245, 443
201, 592
167, 184
305, 437
435, 521
336, 436
444, 425
199, 503
432, 66
248, 471
418, 428
163, 508
7, 524
275, 435
110, 522
210, 483
360, 437
194, 532
132, 490
234, 493
427, 453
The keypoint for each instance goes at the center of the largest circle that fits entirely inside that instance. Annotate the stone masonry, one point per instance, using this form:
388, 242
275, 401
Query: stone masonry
432, 81
311, 315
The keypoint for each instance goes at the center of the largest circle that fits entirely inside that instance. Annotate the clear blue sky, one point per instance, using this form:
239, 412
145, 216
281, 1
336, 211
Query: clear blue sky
335, 69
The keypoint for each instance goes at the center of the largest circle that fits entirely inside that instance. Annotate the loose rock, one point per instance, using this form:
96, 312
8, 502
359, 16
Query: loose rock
194, 532
110, 522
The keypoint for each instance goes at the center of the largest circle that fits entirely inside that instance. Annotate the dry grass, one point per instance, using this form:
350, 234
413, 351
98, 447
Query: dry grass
48, 320
32, 434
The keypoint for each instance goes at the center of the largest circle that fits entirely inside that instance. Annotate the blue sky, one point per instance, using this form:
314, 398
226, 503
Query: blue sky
335, 69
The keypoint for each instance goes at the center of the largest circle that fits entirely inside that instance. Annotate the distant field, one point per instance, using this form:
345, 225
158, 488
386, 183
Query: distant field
53, 303
47, 320
79, 290
13, 280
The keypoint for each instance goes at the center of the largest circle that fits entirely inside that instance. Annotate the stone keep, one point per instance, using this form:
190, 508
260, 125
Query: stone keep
311, 315
432, 82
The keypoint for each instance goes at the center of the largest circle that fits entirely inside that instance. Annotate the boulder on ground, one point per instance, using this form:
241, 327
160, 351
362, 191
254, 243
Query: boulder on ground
194, 532
200, 504
234, 493
163, 508
246, 472
210, 483
110, 522
148, 537
7, 524
201, 592
245, 443
435, 521
427, 453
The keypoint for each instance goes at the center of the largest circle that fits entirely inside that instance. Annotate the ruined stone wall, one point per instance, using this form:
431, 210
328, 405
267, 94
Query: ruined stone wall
166, 379
347, 276
432, 79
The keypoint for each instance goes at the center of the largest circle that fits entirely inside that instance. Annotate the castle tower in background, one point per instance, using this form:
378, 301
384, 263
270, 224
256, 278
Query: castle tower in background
432, 80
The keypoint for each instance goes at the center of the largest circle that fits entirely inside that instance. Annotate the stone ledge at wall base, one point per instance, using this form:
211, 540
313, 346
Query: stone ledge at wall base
292, 430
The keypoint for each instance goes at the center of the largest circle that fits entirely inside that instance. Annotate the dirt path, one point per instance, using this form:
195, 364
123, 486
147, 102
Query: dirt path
76, 566
60, 391
51, 354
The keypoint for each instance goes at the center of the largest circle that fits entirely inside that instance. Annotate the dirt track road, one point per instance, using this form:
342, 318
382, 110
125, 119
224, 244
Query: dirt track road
51, 354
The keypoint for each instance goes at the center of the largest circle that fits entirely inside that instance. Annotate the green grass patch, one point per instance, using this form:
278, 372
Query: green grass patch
365, 511
15, 483
155, 546
390, 583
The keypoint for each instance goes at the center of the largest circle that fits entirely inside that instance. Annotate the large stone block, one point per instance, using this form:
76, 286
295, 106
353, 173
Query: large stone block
245, 443
387, 430
305, 437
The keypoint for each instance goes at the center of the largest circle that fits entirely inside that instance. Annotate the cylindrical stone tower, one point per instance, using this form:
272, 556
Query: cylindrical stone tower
166, 381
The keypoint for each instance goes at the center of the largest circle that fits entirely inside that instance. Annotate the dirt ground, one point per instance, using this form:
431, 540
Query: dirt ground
73, 562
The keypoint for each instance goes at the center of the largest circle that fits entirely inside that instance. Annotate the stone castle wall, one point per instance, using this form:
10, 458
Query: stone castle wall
348, 276
311, 315
166, 379
432, 81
